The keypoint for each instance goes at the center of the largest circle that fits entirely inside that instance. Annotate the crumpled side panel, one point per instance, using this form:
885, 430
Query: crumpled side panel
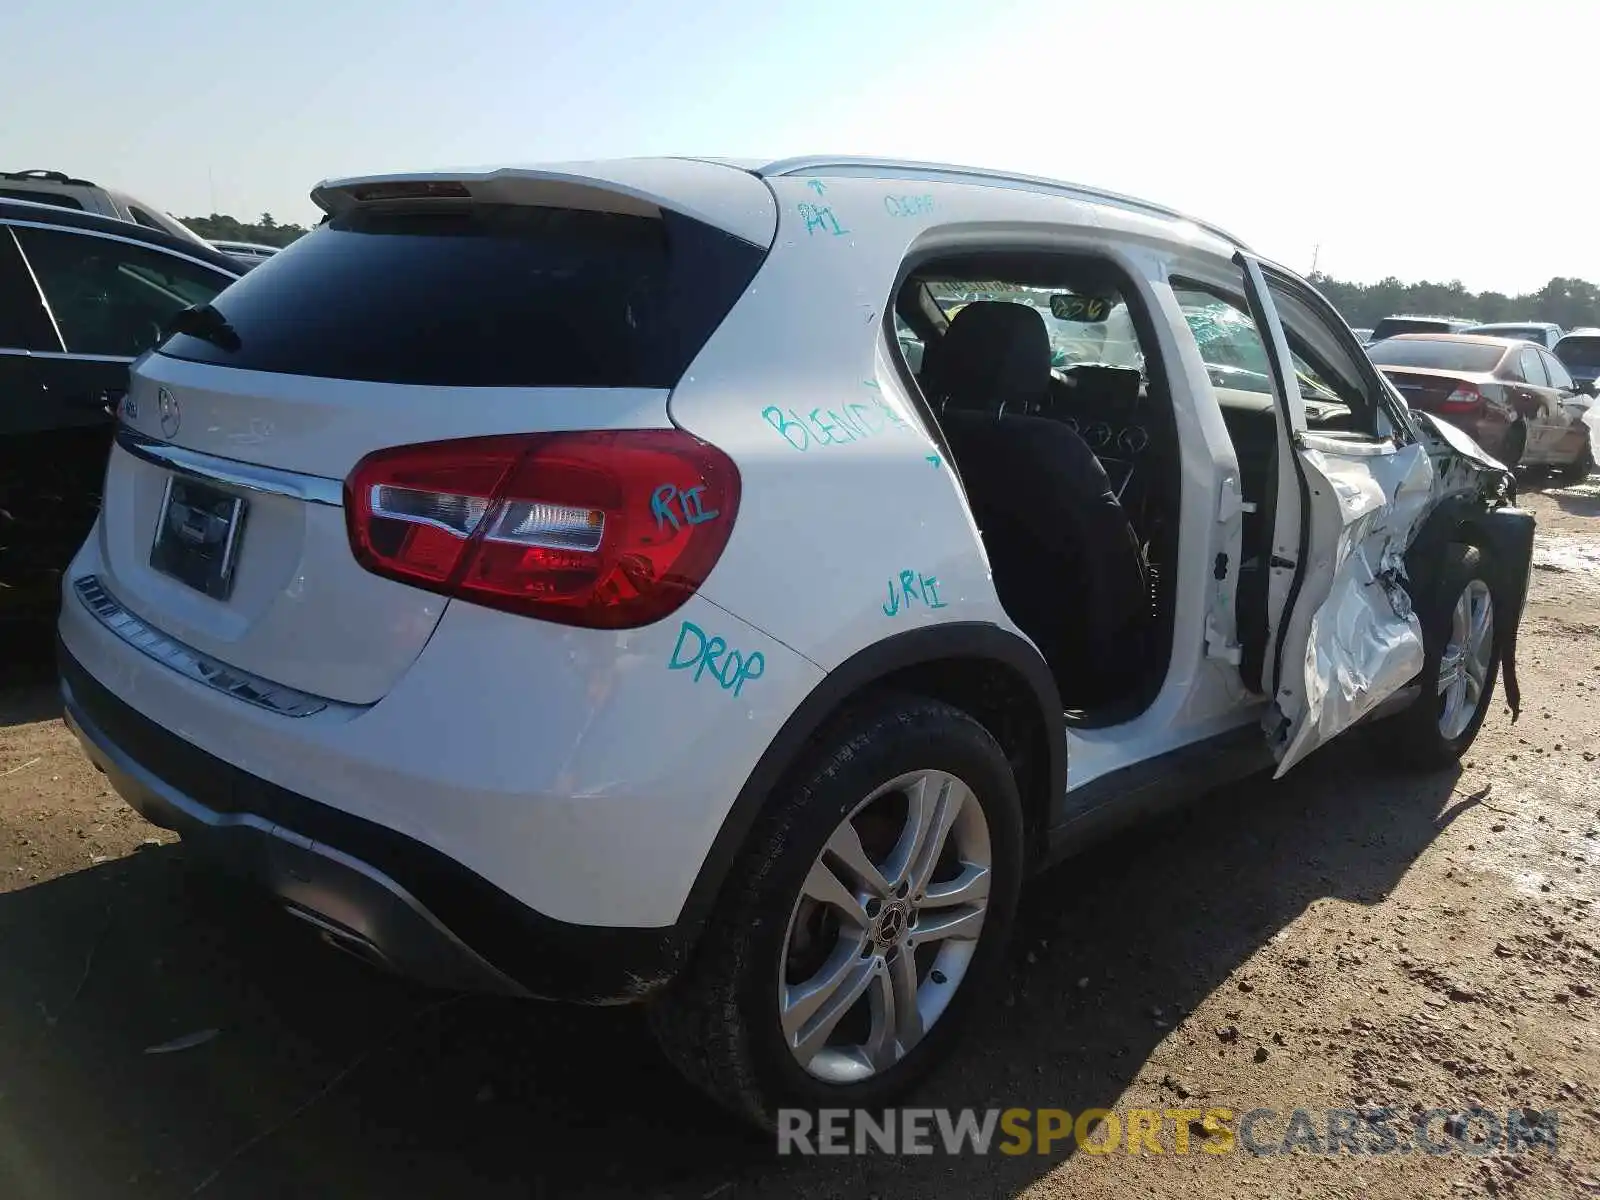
1365, 641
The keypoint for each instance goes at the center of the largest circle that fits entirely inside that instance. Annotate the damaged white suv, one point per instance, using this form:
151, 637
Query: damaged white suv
718, 585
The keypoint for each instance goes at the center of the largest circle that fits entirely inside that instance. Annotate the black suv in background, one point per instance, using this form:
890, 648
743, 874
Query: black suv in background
81, 296
1394, 326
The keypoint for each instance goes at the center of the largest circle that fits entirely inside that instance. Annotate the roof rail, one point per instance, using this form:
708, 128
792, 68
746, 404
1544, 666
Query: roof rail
948, 173
45, 177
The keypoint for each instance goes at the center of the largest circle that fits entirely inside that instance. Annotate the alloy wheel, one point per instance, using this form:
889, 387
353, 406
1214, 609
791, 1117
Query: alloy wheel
885, 927
1464, 665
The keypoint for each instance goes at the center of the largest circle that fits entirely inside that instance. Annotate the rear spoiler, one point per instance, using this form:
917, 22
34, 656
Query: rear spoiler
723, 197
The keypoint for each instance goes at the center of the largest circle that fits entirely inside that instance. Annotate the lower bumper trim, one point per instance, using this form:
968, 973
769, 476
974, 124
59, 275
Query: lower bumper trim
373, 891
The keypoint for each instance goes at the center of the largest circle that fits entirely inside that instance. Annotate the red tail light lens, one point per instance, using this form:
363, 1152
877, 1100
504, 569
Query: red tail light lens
605, 529
1466, 398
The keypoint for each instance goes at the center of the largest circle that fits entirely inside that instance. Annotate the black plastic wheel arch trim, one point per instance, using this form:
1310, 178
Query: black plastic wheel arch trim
973, 641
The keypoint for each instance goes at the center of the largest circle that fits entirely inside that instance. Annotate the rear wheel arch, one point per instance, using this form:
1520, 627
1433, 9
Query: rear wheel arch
988, 672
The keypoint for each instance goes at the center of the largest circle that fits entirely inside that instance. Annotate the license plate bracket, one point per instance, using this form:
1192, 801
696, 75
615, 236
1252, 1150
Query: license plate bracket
197, 536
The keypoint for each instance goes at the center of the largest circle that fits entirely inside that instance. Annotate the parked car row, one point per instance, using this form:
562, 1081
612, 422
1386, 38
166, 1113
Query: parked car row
81, 296
60, 190
446, 582
1516, 399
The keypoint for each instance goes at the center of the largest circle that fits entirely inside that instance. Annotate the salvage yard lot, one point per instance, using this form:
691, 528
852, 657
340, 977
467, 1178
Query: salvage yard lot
1348, 938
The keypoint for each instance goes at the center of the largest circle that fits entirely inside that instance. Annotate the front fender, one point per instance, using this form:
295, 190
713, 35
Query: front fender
1505, 535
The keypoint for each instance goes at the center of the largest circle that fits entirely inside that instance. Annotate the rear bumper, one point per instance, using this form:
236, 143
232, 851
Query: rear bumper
390, 899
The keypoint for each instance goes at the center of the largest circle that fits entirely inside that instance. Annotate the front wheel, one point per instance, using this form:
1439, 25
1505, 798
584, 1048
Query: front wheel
866, 917
1462, 655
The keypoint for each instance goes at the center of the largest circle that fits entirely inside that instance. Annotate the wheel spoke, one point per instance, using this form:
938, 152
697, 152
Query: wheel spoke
823, 886
969, 887
845, 850
1449, 667
920, 810
1482, 622
928, 822
812, 1009
952, 796
896, 1021
1476, 670
961, 924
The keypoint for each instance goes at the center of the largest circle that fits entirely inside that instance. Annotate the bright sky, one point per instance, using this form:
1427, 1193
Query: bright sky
1419, 138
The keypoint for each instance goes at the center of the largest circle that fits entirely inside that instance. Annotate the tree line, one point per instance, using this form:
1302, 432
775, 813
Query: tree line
219, 227
1569, 303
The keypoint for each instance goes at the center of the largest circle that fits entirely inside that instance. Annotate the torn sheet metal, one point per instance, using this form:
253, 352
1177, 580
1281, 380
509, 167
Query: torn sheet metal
1364, 642
1458, 440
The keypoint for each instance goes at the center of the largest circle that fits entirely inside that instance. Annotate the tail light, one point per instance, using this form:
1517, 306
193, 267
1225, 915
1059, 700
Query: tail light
605, 529
1466, 398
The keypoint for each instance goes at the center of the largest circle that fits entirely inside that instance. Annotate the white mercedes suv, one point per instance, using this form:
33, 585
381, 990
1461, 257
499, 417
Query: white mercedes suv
718, 584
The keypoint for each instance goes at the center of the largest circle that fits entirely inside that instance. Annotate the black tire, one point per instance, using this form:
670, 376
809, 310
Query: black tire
718, 1022
1413, 735
1578, 469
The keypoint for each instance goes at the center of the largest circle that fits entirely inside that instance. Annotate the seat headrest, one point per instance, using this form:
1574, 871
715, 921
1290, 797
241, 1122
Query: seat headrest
994, 353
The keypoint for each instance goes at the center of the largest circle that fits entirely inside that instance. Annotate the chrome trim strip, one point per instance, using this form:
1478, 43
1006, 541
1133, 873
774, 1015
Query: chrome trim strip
44, 301
312, 489
202, 668
127, 241
55, 355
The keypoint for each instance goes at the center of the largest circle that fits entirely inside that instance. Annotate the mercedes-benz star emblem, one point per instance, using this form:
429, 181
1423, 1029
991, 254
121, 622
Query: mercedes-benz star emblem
167, 409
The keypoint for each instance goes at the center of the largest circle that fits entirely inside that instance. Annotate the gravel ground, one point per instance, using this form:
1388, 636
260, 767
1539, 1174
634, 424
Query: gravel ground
1347, 939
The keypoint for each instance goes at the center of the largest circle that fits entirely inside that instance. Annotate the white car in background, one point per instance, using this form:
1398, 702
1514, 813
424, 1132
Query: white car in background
558, 581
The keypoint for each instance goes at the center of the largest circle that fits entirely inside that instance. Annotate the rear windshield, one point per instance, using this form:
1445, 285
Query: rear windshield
1390, 326
484, 296
1440, 355
1579, 353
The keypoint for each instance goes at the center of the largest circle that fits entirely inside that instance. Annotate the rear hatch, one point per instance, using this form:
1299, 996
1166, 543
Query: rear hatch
1581, 356
510, 303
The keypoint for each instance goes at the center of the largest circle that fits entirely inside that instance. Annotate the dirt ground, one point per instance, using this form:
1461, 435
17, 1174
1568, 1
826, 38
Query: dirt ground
1346, 939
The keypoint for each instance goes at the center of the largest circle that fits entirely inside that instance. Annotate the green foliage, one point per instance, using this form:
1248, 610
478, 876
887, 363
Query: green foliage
1567, 302
266, 231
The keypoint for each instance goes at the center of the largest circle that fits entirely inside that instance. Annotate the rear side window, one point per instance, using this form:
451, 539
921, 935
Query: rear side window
485, 296
1532, 368
23, 322
112, 297
55, 198
1559, 378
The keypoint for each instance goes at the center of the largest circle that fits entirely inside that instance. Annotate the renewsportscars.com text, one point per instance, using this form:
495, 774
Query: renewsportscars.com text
1262, 1132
